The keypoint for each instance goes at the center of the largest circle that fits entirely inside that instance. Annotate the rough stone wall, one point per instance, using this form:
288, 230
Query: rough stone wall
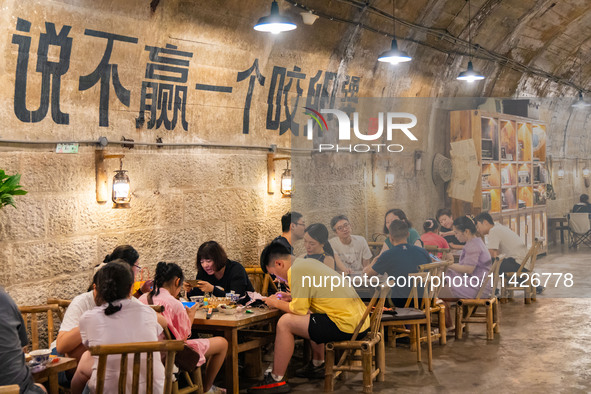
184, 196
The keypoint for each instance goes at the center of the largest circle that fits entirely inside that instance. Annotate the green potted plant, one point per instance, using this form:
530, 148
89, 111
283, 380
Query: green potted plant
10, 187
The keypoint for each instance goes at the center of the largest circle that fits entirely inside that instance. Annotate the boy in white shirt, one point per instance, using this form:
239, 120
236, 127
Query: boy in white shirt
353, 250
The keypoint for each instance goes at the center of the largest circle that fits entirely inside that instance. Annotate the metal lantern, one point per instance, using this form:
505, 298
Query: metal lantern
121, 188
389, 179
286, 182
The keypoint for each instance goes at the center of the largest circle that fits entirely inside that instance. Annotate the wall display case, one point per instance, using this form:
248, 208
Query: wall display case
512, 155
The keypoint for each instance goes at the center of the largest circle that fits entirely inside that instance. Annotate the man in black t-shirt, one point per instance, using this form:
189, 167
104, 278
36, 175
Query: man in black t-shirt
293, 227
399, 261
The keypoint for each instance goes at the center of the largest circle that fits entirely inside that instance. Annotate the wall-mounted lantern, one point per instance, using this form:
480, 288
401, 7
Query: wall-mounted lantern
389, 178
121, 191
121, 195
286, 177
560, 172
286, 181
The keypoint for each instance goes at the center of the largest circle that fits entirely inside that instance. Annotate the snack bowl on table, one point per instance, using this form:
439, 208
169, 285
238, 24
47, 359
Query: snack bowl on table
197, 299
40, 356
228, 309
188, 304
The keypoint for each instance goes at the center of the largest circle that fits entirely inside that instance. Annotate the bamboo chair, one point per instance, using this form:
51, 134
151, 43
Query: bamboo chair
435, 269
414, 316
31, 312
466, 310
262, 282
170, 348
529, 290
63, 306
373, 358
193, 380
11, 389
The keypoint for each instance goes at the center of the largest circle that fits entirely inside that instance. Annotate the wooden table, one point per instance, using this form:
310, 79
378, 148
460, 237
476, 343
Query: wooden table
51, 371
557, 224
229, 325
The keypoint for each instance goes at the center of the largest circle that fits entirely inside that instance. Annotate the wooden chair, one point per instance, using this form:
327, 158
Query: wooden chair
31, 313
170, 348
466, 310
63, 305
435, 269
193, 380
261, 282
529, 290
11, 389
414, 316
373, 358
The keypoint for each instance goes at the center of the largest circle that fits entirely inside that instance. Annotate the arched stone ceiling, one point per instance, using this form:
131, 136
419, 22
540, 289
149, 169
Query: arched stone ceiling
515, 36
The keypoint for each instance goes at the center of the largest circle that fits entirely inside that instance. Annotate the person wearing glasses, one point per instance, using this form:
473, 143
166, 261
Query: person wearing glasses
293, 227
69, 341
217, 274
352, 250
131, 256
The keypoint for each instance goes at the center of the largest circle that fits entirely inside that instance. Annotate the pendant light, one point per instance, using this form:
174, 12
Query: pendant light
470, 75
274, 23
580, 103
394, 55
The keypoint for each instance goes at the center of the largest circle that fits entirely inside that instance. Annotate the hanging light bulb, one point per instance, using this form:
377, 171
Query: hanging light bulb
394, 55
581, 103
274, 23
389, 179
470, 75
121, 190
286, 182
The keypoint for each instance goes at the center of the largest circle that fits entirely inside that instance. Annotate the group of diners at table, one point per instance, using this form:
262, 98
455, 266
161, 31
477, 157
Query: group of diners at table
110, 312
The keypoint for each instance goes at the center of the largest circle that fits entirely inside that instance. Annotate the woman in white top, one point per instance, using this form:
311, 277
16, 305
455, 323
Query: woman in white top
120, 318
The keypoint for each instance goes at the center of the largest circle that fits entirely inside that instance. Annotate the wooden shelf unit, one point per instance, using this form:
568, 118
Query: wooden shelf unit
511, 151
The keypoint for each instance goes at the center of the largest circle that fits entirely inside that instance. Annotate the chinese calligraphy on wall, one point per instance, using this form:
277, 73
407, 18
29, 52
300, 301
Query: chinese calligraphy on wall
164, 88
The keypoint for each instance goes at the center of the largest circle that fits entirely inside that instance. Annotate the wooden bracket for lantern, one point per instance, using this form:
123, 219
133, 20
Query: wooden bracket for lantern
271, 159
102, 181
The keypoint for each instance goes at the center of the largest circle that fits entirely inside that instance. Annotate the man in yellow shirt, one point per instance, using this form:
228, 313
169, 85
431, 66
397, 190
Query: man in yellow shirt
320, 307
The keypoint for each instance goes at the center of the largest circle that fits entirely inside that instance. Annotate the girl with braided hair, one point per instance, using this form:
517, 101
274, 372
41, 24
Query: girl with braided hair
168, 282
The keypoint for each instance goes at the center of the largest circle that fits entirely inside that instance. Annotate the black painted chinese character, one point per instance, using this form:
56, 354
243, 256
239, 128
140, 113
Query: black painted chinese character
171, 65
51, 72
278, 90
103, 73
242, 75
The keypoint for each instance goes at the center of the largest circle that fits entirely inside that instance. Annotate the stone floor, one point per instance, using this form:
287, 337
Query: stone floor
542, 347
